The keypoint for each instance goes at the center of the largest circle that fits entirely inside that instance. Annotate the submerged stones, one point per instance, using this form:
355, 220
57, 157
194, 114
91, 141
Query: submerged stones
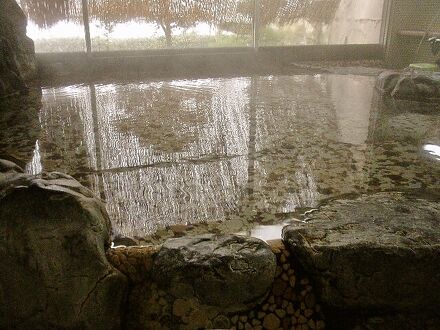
377, 252
231, 272
20, 127
54, 272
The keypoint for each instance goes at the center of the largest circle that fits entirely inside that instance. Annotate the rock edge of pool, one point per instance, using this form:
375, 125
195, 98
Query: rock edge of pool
373, 261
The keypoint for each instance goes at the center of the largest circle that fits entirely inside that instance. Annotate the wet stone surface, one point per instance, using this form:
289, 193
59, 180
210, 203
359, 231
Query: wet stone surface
17, 54
53, 237
418, 86
185, 157
377, 252
20, 127
208, 264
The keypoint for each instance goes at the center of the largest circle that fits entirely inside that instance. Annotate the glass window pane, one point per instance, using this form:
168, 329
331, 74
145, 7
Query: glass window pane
319, 22
55, 25
159, 24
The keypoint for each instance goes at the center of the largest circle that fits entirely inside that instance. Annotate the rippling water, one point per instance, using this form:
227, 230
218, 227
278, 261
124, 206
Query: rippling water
249, 150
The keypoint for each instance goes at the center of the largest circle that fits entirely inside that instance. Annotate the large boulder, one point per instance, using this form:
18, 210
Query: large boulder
379, 252
231, 273
53, 238
17, 54
412, 86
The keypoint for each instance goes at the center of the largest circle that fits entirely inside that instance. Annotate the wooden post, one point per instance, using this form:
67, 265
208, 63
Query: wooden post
256, 25
85, 10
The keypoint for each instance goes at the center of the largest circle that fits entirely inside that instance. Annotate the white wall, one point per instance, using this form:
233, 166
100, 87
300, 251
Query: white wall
357, 22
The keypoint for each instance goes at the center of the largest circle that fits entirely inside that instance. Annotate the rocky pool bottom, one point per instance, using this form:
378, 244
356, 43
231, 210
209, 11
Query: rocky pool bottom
229, 155
366, 263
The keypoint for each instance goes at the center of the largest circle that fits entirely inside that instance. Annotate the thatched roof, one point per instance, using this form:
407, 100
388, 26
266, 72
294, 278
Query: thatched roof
182, 13
46, 13
235, 14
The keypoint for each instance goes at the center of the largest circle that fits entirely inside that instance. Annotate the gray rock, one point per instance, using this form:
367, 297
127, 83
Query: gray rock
426, 90
405, 321
7, 166
232, 273
410, 85
54, 272
387, 81
405, 88
378, 252
17, 54
120, 240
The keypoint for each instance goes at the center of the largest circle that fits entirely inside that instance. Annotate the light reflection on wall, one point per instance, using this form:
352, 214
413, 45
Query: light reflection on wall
357, 22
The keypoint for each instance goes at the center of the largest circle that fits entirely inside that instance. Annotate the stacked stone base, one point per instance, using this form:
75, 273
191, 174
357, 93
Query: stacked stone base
373, 262
291, 302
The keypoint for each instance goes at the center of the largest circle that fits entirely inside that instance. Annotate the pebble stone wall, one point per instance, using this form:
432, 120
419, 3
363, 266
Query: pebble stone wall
291, 303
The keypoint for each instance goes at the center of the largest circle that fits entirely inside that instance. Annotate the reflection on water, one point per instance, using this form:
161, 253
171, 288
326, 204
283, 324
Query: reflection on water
266, 232
237, 150
433, 150
34, 166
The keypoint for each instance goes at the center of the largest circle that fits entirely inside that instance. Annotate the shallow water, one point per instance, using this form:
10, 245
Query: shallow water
244, 153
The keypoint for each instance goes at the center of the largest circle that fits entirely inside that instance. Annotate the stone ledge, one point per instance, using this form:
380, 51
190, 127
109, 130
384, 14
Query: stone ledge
375, 261
378, 252
135, 262
232, 273
290, 302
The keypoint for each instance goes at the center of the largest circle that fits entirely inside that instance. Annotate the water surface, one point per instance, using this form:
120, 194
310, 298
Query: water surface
244, 153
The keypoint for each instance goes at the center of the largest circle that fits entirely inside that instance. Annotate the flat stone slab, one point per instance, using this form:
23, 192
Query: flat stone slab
379, 251
232, 273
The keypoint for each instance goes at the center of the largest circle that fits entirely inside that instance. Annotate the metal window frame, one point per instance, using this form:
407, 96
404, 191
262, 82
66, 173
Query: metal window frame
386, 16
